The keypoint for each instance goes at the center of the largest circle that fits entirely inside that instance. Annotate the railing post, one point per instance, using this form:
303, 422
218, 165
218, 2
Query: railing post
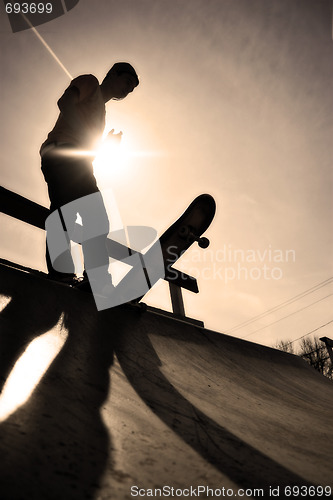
177, 300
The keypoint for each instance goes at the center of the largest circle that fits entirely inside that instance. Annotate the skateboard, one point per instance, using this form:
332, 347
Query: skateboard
188, 229
178, 238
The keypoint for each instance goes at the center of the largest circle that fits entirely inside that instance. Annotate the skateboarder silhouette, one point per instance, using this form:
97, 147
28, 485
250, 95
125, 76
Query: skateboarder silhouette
69, 173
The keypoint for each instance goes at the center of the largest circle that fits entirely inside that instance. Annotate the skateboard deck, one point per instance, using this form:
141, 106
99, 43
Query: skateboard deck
188, 229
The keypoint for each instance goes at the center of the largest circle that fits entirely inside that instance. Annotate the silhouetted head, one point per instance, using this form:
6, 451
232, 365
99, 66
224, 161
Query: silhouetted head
119, 81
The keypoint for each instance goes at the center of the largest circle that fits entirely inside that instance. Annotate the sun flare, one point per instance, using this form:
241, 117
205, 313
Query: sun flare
30, 368
111, 156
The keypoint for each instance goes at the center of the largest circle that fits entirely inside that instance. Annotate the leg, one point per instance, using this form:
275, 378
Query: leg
65, 260
63, 176
95, 231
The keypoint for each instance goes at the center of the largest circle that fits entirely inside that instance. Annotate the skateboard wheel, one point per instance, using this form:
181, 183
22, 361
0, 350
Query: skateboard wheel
203, 242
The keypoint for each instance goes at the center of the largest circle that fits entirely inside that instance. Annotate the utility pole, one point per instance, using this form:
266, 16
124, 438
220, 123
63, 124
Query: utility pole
329, 346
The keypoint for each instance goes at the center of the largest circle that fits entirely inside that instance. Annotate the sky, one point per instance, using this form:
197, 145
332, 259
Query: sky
235, 100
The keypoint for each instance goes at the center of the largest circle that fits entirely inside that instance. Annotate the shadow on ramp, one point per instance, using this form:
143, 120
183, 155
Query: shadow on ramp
55, 445
240, 462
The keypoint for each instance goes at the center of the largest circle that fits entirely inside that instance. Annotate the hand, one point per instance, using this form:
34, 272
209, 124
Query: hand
114, 138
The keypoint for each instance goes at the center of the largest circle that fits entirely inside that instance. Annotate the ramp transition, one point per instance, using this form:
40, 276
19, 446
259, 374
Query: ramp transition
135, 402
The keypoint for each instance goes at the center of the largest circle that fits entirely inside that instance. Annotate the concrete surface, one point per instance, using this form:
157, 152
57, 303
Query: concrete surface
138, 399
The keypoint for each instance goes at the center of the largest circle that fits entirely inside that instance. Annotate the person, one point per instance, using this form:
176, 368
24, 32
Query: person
66, 162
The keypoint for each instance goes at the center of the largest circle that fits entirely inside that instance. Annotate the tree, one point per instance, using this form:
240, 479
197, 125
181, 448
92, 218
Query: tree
286, 346
313, 351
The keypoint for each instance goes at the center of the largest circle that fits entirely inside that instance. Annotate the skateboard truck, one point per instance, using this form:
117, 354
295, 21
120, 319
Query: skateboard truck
187, 233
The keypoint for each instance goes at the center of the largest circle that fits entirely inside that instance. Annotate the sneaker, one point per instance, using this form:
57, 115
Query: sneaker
67, 279
104, 291
83, 285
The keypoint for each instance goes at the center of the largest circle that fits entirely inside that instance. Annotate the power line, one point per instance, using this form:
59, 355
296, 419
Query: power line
288, 315
309, 333
280, 306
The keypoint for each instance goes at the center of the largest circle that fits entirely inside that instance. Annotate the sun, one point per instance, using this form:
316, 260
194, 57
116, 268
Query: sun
111, 154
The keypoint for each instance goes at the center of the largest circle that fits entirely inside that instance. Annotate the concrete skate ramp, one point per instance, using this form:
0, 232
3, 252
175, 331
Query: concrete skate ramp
138, 400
